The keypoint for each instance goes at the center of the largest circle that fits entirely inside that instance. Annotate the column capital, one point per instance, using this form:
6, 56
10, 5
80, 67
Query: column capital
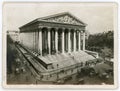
69, 29
41, 27
56, 29
73, 29
62, 29
49, 28
82, 31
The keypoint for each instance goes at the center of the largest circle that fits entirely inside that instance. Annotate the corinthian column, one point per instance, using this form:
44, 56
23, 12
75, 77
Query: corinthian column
74, 41
56, 41
40, 41
79, 41
69, 42
49, 37
63, 41
83, 41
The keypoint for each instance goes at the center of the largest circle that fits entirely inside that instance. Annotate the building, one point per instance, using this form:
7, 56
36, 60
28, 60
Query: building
14, 34
58, 41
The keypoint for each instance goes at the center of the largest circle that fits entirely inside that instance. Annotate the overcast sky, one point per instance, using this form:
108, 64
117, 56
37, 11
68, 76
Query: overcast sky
99, 17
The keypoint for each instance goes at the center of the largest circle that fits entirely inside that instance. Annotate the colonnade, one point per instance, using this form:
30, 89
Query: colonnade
52, 40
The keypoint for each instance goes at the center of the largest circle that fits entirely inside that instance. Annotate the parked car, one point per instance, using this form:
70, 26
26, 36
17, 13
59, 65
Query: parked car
61, 81
87, 70
104, 76
67, 78
80, 81
109, 71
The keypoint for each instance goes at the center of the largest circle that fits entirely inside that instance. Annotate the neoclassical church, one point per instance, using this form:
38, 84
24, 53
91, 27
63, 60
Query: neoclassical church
58, 41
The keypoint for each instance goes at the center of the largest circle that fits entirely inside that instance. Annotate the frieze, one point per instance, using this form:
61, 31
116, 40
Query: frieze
52, 25
55, 25
64, 19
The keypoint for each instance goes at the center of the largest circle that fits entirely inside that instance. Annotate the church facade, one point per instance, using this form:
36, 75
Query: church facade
57, 40
58, 33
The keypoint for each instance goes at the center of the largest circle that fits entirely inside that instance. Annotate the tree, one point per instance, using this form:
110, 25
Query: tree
106, 53
101, 40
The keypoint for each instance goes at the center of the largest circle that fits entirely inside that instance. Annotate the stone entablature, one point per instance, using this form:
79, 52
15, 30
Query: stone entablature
52, 25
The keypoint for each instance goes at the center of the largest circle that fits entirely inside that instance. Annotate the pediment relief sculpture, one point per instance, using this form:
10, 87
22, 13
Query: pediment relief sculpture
64, 19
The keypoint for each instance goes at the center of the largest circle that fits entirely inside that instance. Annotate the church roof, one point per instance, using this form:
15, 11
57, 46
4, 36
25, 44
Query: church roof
64, 17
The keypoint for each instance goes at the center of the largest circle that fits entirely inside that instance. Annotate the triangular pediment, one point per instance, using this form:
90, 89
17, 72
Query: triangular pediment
66, 18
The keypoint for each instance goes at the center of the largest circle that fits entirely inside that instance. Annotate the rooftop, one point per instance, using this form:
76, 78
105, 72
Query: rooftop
64, 17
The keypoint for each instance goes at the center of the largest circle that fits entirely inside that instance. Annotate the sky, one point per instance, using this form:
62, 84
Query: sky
99, 17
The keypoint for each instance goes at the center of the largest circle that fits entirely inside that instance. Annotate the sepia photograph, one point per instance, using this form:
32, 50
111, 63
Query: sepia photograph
60, 45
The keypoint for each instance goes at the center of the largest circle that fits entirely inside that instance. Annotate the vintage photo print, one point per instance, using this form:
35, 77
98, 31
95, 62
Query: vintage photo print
60, 45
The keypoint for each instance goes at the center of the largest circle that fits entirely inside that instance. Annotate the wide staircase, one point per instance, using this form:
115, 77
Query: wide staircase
60, 60
67, 59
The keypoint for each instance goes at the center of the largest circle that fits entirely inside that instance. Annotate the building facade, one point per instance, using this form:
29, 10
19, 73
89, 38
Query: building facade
54, 34
14, 35
58, 42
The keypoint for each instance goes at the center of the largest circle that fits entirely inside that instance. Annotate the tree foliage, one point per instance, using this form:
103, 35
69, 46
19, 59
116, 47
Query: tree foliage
101, 41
